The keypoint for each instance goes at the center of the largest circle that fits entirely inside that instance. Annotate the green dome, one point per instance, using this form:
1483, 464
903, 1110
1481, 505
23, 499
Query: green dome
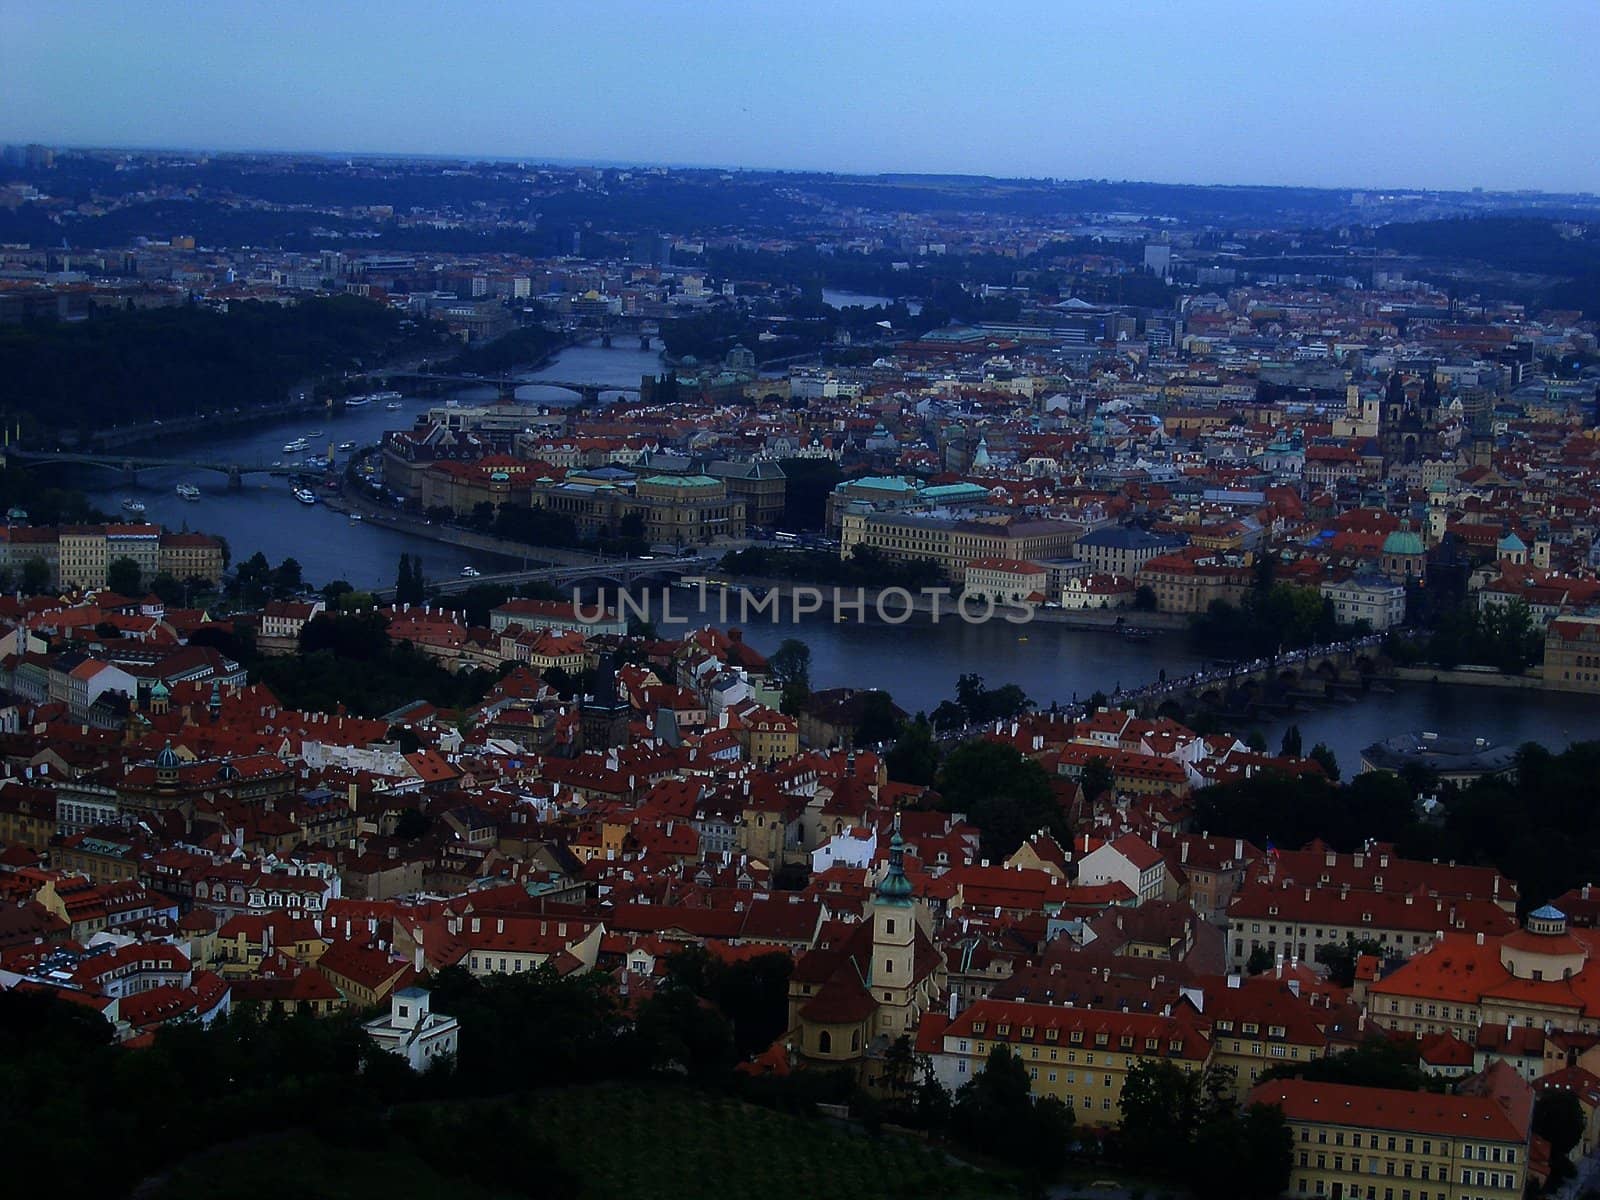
895, 887
1402, 541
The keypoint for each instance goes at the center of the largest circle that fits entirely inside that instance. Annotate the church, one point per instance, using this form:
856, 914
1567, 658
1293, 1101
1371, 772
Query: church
850, 1000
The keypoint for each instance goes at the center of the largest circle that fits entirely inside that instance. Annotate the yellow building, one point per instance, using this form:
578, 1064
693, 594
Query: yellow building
953, 542
1572, 654
1080, 1056
1363, 1143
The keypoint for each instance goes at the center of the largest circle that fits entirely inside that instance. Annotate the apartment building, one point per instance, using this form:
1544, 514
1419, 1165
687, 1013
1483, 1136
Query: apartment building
952, 542
1080, 1056
1365, 1143
1572, 653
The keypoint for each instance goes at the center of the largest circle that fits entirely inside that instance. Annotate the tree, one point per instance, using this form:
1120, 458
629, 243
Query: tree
1558, 1118
1097, 778
790, 665
286, 578
879, 721
1160, 1109
914, 758
123, 576
996, 1114
331, 592
1291, 745
35, 576
1144, 598
1321, 754
168, 589
409, 587
1247, 1156
1004, 793
1260, 960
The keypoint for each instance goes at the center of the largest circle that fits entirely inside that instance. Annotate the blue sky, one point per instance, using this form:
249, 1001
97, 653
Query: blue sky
1338, 93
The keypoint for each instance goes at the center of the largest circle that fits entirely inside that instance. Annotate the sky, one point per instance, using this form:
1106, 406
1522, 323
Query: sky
1337, 93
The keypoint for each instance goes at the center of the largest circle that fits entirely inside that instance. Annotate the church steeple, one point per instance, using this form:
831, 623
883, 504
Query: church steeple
895, 888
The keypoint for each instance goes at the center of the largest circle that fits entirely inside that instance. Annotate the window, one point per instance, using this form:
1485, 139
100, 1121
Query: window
824, 1042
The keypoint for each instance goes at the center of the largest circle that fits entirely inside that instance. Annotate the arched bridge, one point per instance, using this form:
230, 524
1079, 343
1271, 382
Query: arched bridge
1308, 676
131, 465
589, 392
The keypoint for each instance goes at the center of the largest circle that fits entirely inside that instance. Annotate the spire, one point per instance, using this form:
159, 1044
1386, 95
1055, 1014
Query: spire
895, 888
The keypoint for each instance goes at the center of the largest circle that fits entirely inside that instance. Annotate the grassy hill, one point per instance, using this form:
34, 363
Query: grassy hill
591, 1143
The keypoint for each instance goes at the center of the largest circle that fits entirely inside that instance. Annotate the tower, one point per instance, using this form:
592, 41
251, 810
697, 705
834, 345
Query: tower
893, 977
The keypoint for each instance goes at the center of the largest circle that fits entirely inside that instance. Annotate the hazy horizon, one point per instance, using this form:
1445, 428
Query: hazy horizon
1352, 95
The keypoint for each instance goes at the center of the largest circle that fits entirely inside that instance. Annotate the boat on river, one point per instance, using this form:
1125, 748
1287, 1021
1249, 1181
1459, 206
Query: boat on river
188, 491
305, 495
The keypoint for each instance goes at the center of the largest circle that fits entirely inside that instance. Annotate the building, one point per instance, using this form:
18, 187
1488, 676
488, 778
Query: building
413, 1030
1191, 580
1356, 1142
1542, 976
1079, 1056
1008, 581
1119, 551
850, 1002
1375, 599
1572, 653
1453, 760
951, 542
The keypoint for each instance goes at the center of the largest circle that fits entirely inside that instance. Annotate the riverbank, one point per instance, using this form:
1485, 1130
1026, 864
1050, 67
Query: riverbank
420, 527
1532, 681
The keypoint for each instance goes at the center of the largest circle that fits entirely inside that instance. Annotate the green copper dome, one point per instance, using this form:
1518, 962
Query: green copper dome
895, 888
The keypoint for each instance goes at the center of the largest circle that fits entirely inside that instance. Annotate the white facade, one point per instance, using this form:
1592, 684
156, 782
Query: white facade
855, 847
1380, 602
1137, 867
413, 1030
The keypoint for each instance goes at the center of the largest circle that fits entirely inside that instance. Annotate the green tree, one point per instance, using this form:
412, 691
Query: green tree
168, 589
1292, 744
1160, 1111
123, 576
1097, 778
286, 578
1005, 794
996, 1114
1260, 960
879, 721
1558, 1118
1321, 754
914, 758
1246, 1156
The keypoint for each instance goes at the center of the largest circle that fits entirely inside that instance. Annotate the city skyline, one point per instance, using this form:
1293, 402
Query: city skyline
1089, 96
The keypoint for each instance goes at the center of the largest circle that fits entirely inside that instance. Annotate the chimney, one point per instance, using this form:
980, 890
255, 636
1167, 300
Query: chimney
1238, 849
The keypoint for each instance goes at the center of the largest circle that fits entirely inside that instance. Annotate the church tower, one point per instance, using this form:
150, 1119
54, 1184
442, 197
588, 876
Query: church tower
893, 978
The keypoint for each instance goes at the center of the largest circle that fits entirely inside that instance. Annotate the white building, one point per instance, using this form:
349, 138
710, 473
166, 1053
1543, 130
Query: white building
1378, 601
413, 1030
855, 847
1129, 860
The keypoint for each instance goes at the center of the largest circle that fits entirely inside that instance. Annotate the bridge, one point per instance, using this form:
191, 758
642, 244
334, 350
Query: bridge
506, 384
131, 465
599, 574
1269, 686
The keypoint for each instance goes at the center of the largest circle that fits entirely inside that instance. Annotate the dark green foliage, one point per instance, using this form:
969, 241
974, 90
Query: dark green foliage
120, 366
519, 348
914, 758
1290, 810
1183, 1125
753, 995
1377, 1062
1281, 617
1558, 1118
1498, 635
880, 720
122, 577
982, 704
996, 1114
1005, 794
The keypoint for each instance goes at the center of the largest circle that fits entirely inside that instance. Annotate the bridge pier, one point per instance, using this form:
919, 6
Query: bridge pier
605, 339
235, 479
644, 341
590, 395
130, 473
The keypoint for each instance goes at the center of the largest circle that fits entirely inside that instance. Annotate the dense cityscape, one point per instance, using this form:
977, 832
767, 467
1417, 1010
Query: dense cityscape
521, 678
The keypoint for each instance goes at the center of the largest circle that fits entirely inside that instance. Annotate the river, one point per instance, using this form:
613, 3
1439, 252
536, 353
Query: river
838, 299
917, 663
264, 516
